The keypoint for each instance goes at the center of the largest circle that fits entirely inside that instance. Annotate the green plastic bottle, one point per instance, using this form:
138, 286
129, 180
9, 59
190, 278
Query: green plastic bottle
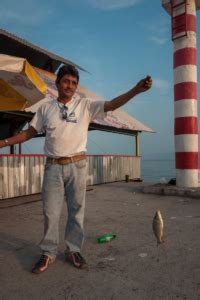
106, 238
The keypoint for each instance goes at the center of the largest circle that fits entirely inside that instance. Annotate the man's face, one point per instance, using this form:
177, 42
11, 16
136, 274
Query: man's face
67, 86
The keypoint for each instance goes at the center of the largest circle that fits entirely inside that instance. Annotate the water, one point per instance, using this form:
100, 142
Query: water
153, 170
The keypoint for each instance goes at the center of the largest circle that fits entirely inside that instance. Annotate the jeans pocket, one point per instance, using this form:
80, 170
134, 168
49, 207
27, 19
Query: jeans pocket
81, 163
47, 166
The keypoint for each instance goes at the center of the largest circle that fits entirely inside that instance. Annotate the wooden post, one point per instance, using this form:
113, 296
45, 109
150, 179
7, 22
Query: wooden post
20, 149
12, 149
137, 145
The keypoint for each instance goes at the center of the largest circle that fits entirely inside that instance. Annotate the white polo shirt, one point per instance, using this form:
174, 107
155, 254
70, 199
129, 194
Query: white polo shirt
66, 137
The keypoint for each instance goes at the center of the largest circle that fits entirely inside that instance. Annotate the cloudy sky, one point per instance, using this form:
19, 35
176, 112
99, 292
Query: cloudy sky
118, 42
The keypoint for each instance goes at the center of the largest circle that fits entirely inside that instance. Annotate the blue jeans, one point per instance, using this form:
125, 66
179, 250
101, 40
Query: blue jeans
63, 182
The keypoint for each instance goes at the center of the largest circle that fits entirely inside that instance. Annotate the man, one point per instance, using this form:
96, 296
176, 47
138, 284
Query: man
66, 120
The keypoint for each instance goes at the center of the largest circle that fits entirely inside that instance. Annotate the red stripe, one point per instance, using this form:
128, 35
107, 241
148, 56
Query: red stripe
191, 22
186, 160
185, 90
23, 155
189, 26
186, 125
115, 155
185, 56
44, 155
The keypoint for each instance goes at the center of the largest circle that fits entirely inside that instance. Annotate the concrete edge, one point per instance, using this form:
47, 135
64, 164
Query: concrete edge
167, 190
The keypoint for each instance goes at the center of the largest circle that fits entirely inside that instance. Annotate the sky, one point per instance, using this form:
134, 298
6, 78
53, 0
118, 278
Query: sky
118, 42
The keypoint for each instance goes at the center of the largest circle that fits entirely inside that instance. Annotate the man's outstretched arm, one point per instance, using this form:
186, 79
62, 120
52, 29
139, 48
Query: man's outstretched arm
19, 138
142, 86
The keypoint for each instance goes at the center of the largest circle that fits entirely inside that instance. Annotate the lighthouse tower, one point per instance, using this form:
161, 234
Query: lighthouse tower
183, 24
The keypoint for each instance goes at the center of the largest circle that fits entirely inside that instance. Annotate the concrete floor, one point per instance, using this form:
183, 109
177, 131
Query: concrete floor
129, 267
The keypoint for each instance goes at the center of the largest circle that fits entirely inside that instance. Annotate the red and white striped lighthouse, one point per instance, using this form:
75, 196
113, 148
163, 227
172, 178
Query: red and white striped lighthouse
183, 16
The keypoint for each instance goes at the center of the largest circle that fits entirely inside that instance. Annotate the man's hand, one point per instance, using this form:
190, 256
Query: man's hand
143, 85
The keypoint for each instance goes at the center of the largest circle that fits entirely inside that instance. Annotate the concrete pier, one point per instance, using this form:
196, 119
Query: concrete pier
129, 267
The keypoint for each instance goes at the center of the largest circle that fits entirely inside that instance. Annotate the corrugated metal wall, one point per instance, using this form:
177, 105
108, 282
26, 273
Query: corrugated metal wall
23, 174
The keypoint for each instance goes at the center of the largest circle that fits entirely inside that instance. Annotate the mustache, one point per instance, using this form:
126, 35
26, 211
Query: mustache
68, 90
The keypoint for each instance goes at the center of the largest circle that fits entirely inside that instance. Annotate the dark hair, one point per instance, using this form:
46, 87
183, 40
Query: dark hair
67, 70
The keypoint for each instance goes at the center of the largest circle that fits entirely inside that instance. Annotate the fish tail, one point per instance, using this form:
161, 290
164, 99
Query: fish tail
160, 242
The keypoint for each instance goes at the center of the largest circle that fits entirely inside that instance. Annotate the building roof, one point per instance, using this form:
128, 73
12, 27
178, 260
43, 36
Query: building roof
37, 57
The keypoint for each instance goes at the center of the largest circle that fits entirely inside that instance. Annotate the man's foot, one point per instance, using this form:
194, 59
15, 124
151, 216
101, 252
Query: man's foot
77, 260
42, 264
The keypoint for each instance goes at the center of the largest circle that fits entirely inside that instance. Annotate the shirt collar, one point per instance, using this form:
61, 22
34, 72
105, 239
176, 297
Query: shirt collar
74, 98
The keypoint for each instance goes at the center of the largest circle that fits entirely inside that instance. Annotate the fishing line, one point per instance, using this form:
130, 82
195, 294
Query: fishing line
104, 152
27, 148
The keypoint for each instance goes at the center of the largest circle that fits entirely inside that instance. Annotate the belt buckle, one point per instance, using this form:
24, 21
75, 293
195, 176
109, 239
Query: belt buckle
59, 161
64, 160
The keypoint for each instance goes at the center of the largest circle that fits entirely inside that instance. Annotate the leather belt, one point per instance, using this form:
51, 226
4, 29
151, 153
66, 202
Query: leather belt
65, 160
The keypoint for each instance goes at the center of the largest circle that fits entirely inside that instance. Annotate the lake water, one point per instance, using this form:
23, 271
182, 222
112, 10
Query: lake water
156, 170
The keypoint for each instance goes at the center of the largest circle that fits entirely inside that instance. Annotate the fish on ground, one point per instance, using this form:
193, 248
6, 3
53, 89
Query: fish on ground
158, 227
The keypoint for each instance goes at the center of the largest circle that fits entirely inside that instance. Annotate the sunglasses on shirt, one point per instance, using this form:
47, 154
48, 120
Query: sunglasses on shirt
64, 113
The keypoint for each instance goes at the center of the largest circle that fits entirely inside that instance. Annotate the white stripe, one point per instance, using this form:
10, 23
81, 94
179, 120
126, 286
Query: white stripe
187, 178
179, 10
176, 2
185, 108
185, 73
191, 7
188, 41
190, 10
186, 143
181, 34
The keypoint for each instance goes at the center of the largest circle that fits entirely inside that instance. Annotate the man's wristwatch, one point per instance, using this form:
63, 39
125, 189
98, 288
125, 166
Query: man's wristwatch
6, 142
